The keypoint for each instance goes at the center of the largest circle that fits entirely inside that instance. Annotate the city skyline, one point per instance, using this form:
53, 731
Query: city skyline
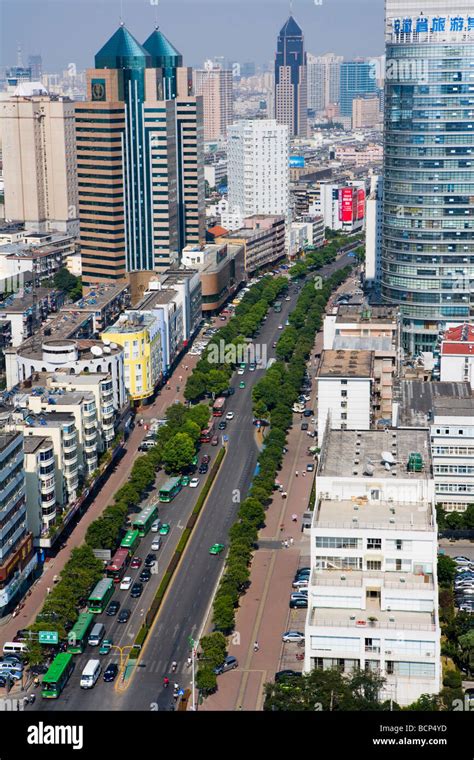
322, 34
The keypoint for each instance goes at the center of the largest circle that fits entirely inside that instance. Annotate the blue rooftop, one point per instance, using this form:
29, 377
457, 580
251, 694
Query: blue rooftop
122, 51
291, 29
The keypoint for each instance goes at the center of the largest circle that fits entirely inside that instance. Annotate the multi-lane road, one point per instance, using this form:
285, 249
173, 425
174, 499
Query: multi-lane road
186, 604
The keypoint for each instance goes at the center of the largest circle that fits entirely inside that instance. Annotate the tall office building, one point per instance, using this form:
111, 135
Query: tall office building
324, 77
133, 187
290, 80
178, 86
39, 159
258, 167
214, 83
35, 63
428, 218
357, 79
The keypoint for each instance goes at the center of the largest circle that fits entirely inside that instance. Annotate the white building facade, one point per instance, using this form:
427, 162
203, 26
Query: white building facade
258, 166
372, 595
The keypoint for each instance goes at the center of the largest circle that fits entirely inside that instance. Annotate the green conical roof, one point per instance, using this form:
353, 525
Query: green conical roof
122, 51
162, 52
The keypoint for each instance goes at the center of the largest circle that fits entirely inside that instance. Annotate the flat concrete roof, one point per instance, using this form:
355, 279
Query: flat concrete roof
346, 453
395, 619
368, 315
419, 400
350, 514
156, 298
342, 363
34, 442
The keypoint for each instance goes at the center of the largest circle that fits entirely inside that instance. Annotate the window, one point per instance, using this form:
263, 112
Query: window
374, 565
374, 543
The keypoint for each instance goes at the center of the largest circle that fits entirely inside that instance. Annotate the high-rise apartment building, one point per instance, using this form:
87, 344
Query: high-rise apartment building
428, 221
35, 63
139, 193
39, 160
258, 167
324, 78
17, 560
290, 80
365, 112
214, 83
357, 79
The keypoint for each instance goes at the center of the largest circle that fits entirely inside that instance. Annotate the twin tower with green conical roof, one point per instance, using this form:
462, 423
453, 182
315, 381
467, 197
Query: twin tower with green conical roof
140, 159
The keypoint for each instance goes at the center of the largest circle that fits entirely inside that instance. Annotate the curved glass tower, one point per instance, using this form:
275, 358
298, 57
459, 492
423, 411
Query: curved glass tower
428, 216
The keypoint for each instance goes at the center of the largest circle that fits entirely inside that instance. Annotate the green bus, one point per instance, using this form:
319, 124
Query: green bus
57, 675
277, 306
77, 636
169, 490
130, 541
100, 596
143, 521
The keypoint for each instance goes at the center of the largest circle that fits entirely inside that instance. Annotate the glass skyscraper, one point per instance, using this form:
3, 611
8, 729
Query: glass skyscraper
428, 214
357, 78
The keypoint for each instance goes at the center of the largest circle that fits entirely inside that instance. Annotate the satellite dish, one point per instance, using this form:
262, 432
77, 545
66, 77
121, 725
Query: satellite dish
107, 350
113, 346
388, 457
96, 350
106, 342
368, 469
387, 466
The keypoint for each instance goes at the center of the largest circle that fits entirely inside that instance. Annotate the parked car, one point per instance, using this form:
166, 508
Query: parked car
284, 674
230, 663
145, 575
203, 469
194, 482
310, 467
308, 413
298, 604
292, 636
304, 426
300, 583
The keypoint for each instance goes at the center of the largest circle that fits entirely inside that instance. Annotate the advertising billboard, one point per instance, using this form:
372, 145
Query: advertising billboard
360, 204
345, 204
296, 161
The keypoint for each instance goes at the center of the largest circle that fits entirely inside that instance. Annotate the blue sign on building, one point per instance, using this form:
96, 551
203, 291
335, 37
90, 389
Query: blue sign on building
296, 161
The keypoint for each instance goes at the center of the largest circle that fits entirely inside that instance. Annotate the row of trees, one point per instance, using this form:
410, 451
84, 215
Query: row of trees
176, 445
211, 377
273, 397
318, 258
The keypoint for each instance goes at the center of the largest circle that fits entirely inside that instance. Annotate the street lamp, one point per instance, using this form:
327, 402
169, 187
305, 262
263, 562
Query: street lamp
193, 647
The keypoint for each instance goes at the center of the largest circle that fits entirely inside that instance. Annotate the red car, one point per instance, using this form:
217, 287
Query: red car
206, 459
136, 562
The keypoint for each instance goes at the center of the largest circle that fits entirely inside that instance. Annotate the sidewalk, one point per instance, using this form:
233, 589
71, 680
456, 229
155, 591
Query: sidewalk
119, 476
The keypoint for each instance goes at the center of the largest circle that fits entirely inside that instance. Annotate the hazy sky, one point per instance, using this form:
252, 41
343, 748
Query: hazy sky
65, 31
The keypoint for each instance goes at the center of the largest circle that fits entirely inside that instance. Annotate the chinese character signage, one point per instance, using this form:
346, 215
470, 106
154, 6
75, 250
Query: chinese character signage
433, 25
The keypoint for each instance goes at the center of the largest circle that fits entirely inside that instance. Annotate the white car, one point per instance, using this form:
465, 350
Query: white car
194, 482
125, 583
288, 298
280, 327
229, 416
240, 371
156, 544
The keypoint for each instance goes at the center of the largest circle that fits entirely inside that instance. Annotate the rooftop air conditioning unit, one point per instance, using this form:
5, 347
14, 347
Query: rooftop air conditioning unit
388, 651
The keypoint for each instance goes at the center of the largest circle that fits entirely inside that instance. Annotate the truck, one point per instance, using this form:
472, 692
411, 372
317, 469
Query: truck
277, 307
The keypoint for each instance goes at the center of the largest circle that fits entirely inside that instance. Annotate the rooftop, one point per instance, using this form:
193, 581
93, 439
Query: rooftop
374, 453
419, 400
356, 618
360, 513
132, 321
368, 315
155, 298
387, 579
163, 53
6, 439
33, 443
122, 50
32, 350
342, 363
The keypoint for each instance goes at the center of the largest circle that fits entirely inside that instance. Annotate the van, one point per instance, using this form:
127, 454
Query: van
14, 647
155, 526
90, 674
96, 635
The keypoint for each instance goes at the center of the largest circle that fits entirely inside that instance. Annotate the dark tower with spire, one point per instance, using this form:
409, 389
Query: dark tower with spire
290, 80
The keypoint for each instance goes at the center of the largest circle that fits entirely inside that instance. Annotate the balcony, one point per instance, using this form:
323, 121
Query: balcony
359, 619
386, 579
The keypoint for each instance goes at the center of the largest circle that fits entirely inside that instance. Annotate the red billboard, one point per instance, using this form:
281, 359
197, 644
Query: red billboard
360, 204
345, 204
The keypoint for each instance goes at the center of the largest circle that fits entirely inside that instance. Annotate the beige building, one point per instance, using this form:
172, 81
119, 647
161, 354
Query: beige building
215, 86
39, 161
365, 112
